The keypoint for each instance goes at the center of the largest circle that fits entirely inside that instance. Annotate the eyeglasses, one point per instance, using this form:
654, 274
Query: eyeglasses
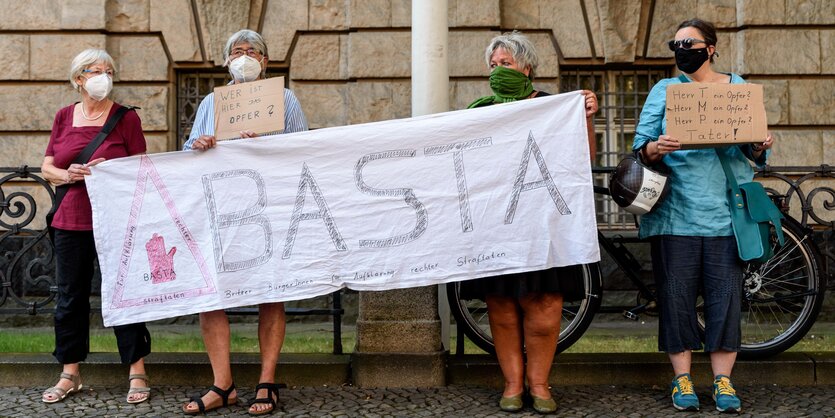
98, 72
684, 43
238, 52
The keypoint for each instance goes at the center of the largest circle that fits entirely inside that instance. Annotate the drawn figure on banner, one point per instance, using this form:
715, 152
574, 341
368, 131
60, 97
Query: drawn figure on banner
691, 237
162, 264
246, 56
525, 308
73, 149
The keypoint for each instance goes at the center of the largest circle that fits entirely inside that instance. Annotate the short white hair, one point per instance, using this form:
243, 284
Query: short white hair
519, 46
87, 58
254, 39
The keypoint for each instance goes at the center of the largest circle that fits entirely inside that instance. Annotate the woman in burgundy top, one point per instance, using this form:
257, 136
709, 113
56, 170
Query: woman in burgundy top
91, 74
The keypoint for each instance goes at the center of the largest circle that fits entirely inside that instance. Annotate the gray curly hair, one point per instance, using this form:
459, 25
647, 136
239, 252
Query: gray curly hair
254, 39
519, 46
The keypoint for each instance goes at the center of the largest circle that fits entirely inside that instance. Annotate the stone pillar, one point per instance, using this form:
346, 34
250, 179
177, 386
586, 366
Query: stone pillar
399, 331
430, 87
430, 57
398, 339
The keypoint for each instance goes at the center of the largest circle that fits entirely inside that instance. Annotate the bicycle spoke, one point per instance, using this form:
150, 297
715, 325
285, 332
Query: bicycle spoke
782, 296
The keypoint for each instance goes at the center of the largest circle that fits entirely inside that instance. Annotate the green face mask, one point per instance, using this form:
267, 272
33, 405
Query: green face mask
508, 85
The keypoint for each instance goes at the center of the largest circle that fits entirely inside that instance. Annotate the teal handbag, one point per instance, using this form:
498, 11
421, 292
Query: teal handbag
752, 214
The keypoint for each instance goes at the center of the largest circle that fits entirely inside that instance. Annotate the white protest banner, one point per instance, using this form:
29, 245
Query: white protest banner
395, 204
711, 114
256, 106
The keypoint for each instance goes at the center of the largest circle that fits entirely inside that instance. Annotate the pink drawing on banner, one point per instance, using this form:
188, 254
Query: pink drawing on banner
148, 171
162, 264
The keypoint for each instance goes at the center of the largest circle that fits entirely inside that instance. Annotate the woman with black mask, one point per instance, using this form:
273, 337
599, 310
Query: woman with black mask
690, 232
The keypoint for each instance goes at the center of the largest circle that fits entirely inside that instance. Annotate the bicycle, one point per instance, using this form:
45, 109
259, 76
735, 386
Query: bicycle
781, 297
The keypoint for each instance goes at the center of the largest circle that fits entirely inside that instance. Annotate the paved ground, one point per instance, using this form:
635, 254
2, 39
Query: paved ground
451, 401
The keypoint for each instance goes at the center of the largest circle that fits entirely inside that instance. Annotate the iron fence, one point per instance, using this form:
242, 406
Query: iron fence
27, 272
27, 265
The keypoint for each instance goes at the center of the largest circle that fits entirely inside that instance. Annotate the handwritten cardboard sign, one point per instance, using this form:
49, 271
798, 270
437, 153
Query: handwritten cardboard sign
255, 106
709, 114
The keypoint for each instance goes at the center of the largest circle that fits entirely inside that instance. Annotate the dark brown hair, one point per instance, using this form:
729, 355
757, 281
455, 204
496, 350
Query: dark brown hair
706, 28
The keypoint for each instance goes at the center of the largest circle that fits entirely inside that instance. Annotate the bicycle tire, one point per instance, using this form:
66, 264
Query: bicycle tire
782, 297
471, 314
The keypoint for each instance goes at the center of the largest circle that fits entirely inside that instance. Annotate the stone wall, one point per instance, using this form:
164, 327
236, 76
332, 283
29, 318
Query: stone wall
349, 60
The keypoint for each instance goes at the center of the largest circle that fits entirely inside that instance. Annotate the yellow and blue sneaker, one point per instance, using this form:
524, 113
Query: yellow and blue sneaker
684, 397
725, 395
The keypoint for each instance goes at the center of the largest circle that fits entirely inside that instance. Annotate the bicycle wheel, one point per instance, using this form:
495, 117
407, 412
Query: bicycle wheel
471, 314
782, 297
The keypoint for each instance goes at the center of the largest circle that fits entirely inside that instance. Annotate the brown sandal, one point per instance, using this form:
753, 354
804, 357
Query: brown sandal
60, 393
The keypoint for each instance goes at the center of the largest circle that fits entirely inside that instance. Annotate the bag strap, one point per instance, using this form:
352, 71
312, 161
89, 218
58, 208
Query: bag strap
87, 153
84, 156
726, 167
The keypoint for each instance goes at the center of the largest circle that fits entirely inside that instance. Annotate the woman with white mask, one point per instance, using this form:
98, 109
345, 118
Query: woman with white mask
66, 163
246, 56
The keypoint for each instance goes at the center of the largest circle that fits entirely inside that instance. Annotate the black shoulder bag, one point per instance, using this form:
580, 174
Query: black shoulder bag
82, 158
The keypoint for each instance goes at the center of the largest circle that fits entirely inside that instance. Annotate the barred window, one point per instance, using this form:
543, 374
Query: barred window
621, 95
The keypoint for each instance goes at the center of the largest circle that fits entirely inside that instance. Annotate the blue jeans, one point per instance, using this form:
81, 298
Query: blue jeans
685, 267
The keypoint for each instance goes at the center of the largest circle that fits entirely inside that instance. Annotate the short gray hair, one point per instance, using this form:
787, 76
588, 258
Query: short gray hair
87, 58
253, 38
519, 46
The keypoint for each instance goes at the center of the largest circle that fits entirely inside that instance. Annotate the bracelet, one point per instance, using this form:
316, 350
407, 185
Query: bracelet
756, 148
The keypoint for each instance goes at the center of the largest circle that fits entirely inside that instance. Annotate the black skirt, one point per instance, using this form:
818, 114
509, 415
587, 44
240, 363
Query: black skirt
566, 280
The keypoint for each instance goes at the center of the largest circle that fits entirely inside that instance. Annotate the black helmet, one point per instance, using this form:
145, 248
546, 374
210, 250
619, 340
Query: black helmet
638, 188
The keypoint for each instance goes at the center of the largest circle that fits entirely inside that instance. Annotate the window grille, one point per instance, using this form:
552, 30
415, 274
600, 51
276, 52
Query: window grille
621, 95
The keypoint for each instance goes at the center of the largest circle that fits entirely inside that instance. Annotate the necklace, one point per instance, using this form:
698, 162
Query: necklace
84, 114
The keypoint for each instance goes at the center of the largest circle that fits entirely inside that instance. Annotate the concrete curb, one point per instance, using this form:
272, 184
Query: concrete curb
177, 369
796, 369
789, 369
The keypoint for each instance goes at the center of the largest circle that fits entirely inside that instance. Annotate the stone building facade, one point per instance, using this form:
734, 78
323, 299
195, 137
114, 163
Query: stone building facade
349, 61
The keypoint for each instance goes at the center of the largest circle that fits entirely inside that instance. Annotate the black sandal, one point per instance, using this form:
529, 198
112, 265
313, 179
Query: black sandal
272, 389
201, 407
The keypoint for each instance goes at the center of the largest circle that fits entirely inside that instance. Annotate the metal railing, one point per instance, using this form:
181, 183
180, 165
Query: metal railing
807, 193
27, 266
27, 282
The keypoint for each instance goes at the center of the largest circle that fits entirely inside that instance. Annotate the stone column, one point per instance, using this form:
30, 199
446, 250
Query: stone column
430, 57
399, 331
398, 339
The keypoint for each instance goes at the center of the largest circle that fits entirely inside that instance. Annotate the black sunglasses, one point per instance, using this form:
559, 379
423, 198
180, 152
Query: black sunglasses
684, 43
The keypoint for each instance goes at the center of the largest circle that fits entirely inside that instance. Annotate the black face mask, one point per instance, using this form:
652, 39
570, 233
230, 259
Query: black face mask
690, 60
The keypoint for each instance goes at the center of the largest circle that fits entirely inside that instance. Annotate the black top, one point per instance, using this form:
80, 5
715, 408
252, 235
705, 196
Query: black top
566, 280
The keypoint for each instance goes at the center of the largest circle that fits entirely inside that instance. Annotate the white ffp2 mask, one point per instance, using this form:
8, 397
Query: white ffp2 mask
99, 87
245, 68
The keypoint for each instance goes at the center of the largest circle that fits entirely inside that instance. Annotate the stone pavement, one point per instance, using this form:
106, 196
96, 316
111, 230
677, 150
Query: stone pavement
449, 401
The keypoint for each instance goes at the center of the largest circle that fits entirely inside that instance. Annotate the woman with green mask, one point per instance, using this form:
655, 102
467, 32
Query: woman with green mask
525, 309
